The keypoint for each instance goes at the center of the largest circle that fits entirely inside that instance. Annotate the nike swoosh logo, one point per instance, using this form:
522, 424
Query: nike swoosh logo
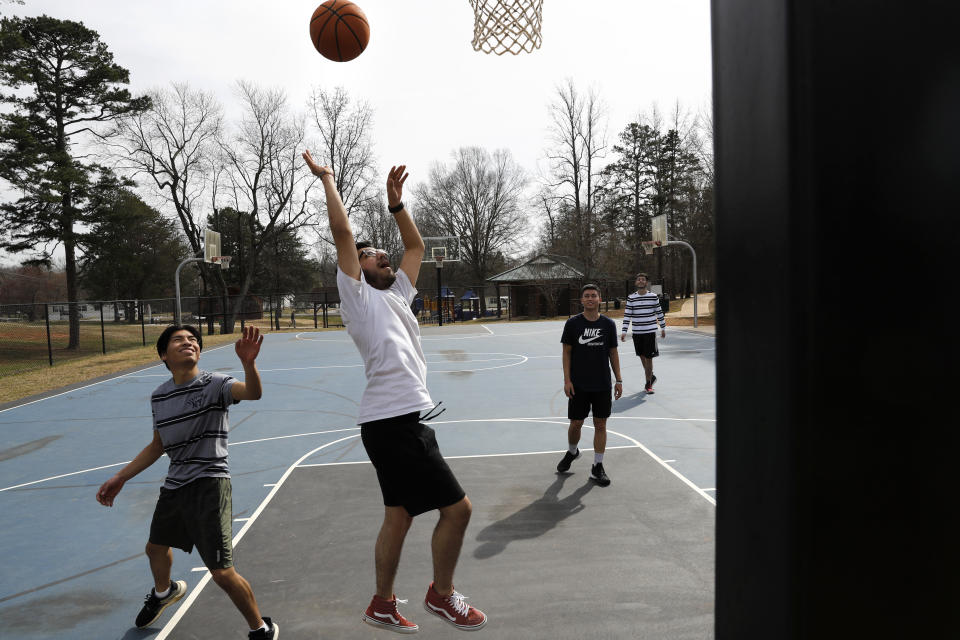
591, 339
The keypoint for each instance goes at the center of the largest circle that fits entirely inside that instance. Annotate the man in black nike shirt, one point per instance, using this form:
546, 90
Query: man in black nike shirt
589, 351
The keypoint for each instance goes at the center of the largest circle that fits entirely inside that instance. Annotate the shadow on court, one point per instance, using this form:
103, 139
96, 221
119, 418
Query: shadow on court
632, 560
534, 520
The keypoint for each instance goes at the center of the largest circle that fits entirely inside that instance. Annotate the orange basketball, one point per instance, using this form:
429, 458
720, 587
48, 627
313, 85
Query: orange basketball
339, 30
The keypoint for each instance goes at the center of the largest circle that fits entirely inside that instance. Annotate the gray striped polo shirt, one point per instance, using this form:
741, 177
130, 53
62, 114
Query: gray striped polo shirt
191, 419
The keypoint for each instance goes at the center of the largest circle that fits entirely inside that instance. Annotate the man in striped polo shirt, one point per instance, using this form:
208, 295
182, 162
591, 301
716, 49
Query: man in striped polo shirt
642, 316
195, 507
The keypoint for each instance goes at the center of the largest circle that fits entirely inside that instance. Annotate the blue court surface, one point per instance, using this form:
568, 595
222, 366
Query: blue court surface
546, 555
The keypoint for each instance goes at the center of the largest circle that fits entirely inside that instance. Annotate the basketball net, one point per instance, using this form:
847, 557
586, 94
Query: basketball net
223, 261
439, 261
649, 246
502, 26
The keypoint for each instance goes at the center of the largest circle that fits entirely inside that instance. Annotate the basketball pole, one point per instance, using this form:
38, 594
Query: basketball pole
681, 242
176, 278
439, 293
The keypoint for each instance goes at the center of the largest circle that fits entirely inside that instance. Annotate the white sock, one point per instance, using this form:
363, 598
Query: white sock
262, 626
163, 594
597, 458
572, 449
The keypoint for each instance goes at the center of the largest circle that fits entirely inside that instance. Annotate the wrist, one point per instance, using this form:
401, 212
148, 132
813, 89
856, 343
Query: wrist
395, 208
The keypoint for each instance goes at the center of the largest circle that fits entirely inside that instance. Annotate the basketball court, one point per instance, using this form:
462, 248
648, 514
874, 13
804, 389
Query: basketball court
546, 555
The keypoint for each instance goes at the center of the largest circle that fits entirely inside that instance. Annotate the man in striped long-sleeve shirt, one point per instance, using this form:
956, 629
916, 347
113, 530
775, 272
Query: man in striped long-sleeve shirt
195, 507
642, 316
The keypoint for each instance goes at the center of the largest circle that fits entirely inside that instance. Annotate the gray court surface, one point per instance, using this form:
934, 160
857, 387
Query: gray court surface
544, 556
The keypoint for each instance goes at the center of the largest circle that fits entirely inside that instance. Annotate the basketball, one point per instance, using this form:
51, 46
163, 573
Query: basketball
339, 30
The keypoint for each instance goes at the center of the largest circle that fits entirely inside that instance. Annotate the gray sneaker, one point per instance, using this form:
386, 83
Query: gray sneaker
154, 606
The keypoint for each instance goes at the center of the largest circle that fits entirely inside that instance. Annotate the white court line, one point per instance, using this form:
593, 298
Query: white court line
553, 419
478, 455
240, 519
230, 444
355, 366
192, 596
483, 326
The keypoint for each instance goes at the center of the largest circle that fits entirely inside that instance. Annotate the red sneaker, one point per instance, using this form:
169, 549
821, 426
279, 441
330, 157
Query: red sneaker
383, 613
454, 610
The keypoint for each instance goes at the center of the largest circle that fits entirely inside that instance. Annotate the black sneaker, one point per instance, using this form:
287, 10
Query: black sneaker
598, 474
652, 381
272, 633
154, 606
568, 457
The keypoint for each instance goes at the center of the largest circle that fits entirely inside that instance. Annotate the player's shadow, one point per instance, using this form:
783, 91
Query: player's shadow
139, 634
534, 520
625, 403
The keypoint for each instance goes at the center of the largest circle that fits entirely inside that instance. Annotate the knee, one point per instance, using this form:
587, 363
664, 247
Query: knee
156, 551
459, 512
224, 577
600, 425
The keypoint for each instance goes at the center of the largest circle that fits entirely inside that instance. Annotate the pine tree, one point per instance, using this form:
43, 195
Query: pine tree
63, 87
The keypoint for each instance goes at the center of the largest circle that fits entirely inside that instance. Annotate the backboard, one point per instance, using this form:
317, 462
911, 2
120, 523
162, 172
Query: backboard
659, 232
447, 248
211, 245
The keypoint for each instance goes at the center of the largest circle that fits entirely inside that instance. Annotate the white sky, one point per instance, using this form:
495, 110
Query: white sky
430, 90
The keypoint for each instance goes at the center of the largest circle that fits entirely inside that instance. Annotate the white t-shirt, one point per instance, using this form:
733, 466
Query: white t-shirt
388, 337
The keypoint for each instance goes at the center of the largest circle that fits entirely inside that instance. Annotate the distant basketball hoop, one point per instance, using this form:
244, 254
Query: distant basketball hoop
507, 26
649, 246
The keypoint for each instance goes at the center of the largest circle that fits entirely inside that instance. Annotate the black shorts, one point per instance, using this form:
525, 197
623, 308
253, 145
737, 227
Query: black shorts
578, 407
645, 344
200, 513
410, 468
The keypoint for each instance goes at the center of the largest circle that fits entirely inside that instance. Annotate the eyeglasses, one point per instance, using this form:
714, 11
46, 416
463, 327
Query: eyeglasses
373, 253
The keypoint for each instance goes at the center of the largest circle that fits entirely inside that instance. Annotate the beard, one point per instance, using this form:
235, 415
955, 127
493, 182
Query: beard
379, 279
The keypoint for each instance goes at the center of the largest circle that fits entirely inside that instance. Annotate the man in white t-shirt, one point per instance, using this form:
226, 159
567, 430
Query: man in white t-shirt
414, 478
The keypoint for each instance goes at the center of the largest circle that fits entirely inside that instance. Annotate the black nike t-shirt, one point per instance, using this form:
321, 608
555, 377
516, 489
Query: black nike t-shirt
590, 357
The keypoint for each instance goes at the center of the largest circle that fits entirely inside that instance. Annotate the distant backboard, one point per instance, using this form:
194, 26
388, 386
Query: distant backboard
659, 233
445, 247
211, 245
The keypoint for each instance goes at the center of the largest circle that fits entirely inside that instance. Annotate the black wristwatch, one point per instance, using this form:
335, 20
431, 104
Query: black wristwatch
396, 209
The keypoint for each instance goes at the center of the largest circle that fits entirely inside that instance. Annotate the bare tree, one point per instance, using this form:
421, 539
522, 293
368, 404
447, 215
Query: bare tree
477, 198
266, 175
578, 138
344, 126
174, 144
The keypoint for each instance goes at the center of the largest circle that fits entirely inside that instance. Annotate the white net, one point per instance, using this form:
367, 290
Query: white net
507, 26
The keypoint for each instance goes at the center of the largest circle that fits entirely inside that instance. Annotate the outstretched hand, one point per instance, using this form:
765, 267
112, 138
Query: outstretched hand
109, 490
395, 180
248, 346
316, 169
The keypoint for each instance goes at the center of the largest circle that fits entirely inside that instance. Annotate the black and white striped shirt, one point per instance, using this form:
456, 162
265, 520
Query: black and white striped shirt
191, 419
643, 313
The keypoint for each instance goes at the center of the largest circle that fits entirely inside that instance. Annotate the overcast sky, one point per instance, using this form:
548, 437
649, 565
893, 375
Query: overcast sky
430, 90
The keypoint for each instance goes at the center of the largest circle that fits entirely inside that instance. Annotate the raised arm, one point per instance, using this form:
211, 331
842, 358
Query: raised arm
247, 348
413, 248
347, 258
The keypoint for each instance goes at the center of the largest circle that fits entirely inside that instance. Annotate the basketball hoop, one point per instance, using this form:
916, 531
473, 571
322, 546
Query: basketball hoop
502, 26
649, 246
223, 261
439, 261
